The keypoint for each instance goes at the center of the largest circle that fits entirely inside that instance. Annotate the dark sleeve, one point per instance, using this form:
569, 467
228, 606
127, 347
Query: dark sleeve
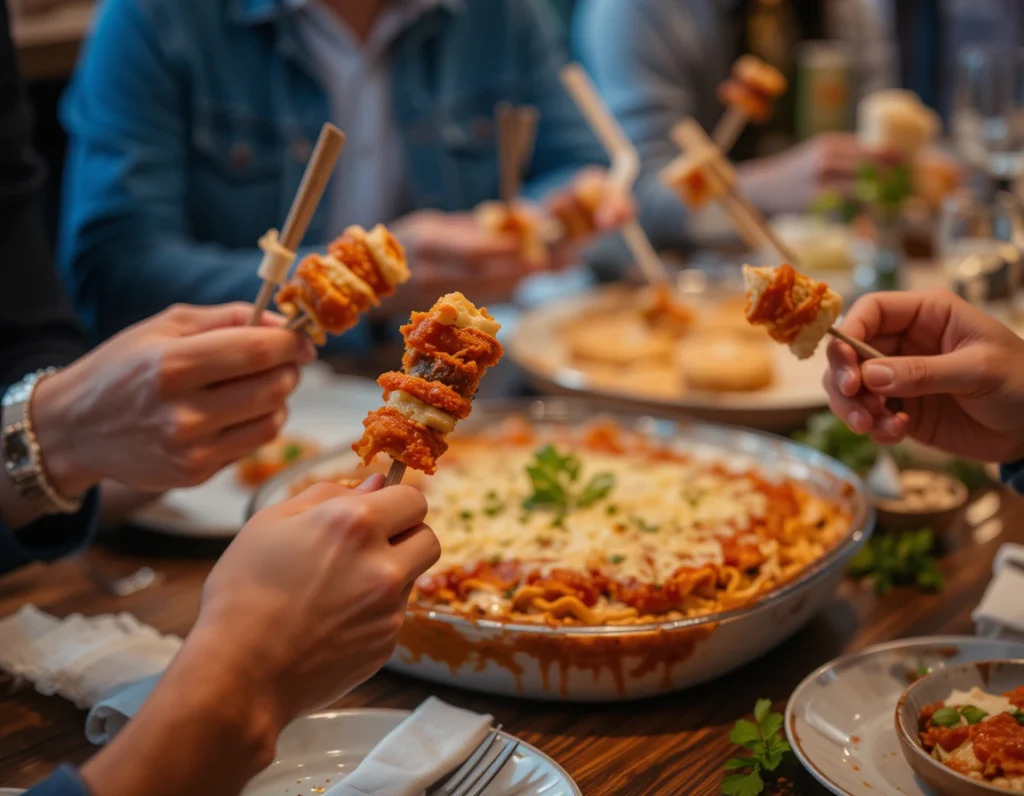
50, 537
64, 782
1013, 476
37, 325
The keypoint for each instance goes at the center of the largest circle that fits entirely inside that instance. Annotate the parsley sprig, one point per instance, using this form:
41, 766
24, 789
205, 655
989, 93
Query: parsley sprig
894, 559
767, 751
554, 478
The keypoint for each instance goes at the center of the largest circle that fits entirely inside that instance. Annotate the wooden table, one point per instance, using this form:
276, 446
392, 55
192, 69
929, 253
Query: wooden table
672, 745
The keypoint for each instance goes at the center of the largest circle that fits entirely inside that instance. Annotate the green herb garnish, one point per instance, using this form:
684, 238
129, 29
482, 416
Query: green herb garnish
291, 453
767, 751
827, 433
493, 504
644, 527
616, 559
906, 558
612, 510
972, 714
465, 515
946, 717
554, 477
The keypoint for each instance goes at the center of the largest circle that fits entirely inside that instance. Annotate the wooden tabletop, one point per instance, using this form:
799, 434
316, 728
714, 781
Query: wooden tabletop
49, 39
670, 745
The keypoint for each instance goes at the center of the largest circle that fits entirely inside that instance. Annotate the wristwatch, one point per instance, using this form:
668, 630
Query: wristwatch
22, 456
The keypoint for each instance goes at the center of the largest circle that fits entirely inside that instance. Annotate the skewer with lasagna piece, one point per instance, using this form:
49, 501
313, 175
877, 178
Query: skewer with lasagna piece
794, 309
328, 292
448, 350
748, 94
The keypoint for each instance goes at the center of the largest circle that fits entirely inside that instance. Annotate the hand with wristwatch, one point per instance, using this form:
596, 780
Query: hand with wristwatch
164, 404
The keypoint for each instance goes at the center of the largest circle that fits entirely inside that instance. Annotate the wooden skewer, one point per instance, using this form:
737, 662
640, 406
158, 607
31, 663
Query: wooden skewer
864, 351
528, 117
395, 474
729, 129
311, 190
504, 115
758, 219
625, 164
299, 321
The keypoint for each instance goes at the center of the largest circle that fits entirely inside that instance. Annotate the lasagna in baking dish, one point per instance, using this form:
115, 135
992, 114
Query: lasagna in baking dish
598, 526
979, 735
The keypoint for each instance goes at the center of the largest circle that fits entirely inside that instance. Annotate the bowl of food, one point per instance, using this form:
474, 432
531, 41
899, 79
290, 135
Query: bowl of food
960, 728
595, 557
928, 499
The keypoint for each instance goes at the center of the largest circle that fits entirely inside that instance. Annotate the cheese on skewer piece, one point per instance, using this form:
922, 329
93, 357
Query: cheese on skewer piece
795, 310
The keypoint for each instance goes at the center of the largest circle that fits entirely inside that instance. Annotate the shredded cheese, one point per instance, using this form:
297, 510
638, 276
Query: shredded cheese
341, 276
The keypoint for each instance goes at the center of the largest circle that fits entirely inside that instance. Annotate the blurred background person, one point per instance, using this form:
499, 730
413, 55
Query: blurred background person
191, 123
658, 61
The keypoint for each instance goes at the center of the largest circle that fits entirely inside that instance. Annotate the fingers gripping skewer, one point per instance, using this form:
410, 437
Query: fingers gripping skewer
625, 164
279, 251
864, 351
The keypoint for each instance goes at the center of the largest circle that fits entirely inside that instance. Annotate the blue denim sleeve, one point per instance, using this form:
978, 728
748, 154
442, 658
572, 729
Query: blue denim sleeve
565, 142
1013, 476
51, 537
632, 51
64, 782
126, 250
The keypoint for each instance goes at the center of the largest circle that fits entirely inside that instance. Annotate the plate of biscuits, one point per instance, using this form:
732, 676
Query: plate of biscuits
663, 351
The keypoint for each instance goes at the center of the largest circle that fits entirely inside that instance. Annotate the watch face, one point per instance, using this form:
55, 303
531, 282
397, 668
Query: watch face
16, 453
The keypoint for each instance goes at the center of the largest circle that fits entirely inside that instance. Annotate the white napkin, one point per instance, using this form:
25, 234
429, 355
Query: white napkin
435, 740
107, 663
1000, 614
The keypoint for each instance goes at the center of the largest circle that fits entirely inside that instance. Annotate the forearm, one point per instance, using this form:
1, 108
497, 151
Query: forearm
201, 731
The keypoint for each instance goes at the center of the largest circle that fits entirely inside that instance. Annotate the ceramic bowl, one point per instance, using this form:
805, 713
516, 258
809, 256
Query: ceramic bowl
898, 516
995, 677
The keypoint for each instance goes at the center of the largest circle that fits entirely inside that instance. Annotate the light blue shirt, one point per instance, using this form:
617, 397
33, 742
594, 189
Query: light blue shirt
369, 185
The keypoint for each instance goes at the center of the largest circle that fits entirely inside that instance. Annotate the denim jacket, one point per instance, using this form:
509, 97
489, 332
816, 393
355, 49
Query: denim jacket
191, 122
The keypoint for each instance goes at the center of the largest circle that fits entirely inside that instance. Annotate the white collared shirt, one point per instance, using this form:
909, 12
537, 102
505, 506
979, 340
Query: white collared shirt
369, 186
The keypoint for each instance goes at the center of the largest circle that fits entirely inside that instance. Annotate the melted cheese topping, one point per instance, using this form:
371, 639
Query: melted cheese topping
420, 412
344, 280
456, 310
385, 250
657, 517
992, 704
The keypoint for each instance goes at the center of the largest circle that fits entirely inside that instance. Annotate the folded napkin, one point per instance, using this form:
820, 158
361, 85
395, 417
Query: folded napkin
435, 740
1000, 614
107, 663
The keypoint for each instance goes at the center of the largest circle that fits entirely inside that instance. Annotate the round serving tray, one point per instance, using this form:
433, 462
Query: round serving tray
540, 347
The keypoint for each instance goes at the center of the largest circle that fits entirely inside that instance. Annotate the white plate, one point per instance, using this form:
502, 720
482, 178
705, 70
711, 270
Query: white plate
840, 719
319, 751
326, 408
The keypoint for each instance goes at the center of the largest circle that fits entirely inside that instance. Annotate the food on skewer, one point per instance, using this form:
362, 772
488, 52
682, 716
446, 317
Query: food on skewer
699, 177
795, 310
448, 350
501, 218
334, 289
267, 461
574, 208
661, 307
896, 119
752, 88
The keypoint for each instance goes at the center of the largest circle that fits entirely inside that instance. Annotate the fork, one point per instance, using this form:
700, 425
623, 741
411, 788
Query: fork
478, 772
